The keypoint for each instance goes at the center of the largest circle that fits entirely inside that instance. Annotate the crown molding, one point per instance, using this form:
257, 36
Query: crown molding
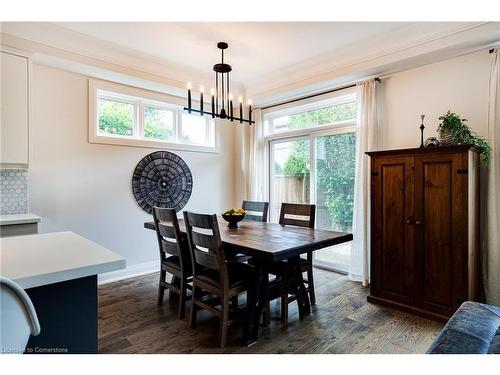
56, 46
349, 66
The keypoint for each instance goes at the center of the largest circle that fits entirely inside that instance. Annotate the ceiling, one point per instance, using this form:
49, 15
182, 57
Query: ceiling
256, 49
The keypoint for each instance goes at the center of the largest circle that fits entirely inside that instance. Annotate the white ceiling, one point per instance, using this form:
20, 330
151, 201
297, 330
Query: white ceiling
256, 49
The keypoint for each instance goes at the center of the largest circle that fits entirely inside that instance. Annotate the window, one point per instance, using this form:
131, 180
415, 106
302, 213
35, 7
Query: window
312, 150
127, 116
342, 110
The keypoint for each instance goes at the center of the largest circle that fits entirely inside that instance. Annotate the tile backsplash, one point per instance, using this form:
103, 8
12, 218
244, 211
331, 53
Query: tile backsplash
13, 191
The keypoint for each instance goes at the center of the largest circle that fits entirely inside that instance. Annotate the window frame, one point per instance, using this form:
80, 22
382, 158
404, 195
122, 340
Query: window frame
141, 98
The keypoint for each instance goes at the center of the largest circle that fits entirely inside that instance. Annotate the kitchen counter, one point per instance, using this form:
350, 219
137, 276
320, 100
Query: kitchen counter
59, 273
14, 219
42, 259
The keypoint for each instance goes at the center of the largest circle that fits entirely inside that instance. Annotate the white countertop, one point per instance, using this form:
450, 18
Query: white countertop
42, 259
13, 219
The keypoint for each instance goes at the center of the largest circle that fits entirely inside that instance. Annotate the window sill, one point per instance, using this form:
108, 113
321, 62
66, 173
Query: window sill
130, 142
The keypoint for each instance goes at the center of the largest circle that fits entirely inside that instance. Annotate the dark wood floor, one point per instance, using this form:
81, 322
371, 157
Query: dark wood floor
341, 322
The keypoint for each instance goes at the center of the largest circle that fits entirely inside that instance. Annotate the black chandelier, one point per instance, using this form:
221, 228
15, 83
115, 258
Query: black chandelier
222, 99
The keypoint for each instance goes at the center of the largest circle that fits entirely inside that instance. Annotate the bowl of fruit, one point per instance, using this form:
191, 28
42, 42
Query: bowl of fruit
233, 217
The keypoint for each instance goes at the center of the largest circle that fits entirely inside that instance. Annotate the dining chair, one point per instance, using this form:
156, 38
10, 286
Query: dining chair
299, 215
18, 318
255, 211
213, 273
174, 257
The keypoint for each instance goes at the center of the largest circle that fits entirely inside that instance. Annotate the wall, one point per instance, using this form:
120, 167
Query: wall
459, 84
86, 188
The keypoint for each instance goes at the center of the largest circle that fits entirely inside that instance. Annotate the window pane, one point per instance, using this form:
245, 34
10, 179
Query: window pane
158, 124
316, 117
290, 175
335, 167
115, 118
196, 130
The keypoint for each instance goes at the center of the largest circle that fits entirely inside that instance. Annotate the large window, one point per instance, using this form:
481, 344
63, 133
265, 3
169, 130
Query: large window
312, 152
133, 117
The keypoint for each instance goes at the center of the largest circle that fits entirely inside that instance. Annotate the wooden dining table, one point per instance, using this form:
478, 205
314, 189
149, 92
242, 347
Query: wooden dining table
267, 243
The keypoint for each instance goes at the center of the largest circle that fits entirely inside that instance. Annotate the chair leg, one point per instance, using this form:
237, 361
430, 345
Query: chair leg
171, 294
266, 314
310, 286
161, 289
284, 309
182, 298
224, 319
194, 307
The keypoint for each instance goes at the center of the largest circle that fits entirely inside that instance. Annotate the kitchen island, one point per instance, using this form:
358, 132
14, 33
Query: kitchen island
59, 273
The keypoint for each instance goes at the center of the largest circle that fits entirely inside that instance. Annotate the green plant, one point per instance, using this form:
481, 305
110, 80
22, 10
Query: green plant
461, 134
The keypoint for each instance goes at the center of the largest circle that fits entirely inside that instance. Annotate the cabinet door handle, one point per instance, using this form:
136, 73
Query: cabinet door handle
418, 222
409, 221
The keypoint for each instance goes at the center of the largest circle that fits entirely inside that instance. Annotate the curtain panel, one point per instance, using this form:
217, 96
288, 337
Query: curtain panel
491, 206
366, 140
257, 165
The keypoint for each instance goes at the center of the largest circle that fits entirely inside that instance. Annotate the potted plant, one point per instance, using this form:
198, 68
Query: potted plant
454, 130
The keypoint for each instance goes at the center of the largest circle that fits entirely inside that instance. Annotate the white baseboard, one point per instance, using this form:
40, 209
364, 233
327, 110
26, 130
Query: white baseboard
131, 271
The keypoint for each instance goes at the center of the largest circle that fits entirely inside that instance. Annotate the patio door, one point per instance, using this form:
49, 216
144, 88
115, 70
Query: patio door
317, 168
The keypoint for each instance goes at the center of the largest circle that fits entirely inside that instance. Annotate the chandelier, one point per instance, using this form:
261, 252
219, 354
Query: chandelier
221, 97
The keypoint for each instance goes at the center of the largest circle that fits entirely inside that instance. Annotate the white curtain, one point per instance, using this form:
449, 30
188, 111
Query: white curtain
257, 166
491, 207
366, 140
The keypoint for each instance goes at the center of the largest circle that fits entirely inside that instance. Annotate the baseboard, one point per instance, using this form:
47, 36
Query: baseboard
131, 271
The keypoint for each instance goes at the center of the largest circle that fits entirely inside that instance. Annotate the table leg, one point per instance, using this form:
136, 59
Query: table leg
256, 300
302, 296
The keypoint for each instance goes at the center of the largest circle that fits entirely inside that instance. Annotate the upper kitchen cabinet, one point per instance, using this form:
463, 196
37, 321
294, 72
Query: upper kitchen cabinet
14, 109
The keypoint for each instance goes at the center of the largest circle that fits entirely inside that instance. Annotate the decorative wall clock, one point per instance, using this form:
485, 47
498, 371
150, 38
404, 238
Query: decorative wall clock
162, 179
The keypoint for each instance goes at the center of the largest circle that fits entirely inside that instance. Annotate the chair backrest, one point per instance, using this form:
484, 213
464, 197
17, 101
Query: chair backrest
170, 241
205, 244
256, 211
18, 318
300, 215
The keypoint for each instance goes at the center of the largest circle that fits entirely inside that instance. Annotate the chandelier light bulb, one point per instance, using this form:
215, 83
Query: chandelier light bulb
202, 89
240, 99
249, 101
212, 92
189, 86
230, 96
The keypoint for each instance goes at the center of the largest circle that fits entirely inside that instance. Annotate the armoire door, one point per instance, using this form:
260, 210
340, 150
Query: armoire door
392, 261
440, 226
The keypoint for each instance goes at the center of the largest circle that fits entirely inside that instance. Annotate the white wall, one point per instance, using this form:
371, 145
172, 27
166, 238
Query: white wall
459, 84
86, 188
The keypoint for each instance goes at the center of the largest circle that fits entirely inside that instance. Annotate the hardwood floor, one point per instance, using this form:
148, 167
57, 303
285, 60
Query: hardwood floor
341, 322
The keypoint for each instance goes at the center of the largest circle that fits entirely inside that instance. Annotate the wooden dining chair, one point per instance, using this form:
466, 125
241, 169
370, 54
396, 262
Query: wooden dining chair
255, 211
212, 273
174, 257
299, 215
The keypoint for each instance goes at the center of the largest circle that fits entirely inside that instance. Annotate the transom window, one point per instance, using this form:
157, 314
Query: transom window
339, 111
127, 116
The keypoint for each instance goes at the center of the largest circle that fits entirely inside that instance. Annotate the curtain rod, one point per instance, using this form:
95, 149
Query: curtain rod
312, 95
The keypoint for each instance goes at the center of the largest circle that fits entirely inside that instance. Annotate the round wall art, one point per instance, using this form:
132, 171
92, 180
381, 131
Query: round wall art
162, 179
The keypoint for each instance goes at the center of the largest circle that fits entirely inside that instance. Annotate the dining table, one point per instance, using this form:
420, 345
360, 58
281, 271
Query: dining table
267, 243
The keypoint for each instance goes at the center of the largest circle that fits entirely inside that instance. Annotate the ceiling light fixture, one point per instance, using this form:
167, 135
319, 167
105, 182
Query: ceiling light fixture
221, 97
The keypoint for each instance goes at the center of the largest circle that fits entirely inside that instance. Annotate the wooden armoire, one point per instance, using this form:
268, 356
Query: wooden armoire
425, 229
